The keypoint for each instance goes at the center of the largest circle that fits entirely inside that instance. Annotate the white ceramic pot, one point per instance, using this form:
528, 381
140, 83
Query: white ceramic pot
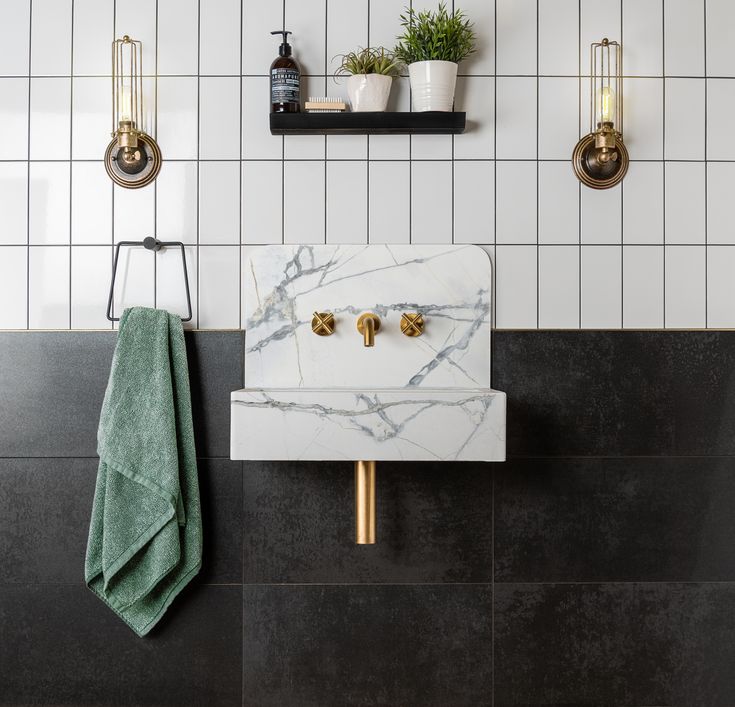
368, 92
432, 85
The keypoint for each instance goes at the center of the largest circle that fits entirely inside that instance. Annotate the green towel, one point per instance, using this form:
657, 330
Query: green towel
145, 536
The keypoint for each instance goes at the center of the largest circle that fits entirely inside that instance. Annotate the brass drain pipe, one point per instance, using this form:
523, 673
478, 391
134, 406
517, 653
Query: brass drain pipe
365, 503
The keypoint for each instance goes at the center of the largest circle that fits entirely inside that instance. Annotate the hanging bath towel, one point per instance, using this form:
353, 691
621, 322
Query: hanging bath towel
145, 536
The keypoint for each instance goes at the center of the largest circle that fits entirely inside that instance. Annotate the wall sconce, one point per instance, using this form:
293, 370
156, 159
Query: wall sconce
600, 159
133, 158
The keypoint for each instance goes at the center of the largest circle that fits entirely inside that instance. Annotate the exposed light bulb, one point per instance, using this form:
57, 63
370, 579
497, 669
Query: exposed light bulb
126, 103
606, 104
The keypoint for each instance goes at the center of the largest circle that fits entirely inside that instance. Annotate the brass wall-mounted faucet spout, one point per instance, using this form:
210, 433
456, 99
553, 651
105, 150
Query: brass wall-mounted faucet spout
368, 324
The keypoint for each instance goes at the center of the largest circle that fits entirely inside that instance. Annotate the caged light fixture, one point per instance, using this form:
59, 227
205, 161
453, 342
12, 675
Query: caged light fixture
600, 159
133, 158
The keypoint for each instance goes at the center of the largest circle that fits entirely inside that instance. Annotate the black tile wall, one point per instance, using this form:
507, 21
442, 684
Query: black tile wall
51, 388
216, 368
430, 527
45, 505
368, 644
595, 567
629, 519
615, 644
617, 393
62, 646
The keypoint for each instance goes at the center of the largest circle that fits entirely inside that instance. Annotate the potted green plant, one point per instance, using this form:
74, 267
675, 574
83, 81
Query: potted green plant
432, 44
370, 73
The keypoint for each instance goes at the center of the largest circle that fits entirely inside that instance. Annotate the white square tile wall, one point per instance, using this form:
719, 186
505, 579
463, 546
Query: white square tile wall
657, 251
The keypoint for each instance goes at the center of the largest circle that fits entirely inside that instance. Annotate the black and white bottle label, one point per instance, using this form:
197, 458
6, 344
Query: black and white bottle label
285, 86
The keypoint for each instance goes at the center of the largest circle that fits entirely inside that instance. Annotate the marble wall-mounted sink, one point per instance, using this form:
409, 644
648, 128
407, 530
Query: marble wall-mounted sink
338, 396
331, 398
418, 424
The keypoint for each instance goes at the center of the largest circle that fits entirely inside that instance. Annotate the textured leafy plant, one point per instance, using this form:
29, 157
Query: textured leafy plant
371, 60
437, 35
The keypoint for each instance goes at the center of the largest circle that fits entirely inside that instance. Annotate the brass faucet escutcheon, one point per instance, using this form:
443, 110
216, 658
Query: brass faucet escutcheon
322, 323
368, 324
412, 324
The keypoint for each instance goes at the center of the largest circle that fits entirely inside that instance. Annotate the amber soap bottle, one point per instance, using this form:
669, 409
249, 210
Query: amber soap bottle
285, 79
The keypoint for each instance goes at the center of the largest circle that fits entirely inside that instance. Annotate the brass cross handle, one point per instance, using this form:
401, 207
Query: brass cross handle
322, 323
412, 324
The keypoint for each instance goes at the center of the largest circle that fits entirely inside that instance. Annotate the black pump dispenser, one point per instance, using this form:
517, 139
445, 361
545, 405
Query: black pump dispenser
285, 48
285, 79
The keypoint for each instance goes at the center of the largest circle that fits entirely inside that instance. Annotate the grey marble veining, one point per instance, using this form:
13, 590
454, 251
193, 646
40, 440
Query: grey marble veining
310, 397
430, 425
449, 285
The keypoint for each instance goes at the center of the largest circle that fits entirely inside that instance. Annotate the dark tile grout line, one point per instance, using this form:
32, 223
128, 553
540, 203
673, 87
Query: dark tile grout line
367, 152
494, 260
579, 185
538, 130
28, 170
513, 244
663, 168
493, 321
364, 159
326, 75
155, 182
112, 188
198, 160
326, 138
239, 193
71, 133
706, 178
622, 193
410, 161
283, 162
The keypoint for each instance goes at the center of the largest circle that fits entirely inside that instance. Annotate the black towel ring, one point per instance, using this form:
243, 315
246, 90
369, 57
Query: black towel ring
155, 245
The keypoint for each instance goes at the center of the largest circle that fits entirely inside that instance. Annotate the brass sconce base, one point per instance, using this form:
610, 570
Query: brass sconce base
365, 503
136, 167
596, 168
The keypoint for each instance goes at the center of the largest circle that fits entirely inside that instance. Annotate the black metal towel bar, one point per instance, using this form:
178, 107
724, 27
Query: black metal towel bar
155, 245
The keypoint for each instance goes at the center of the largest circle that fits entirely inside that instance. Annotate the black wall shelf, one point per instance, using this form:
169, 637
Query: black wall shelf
429, 123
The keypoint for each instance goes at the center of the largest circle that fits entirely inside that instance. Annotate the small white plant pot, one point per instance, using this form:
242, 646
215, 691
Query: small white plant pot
368, 92
432, 85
